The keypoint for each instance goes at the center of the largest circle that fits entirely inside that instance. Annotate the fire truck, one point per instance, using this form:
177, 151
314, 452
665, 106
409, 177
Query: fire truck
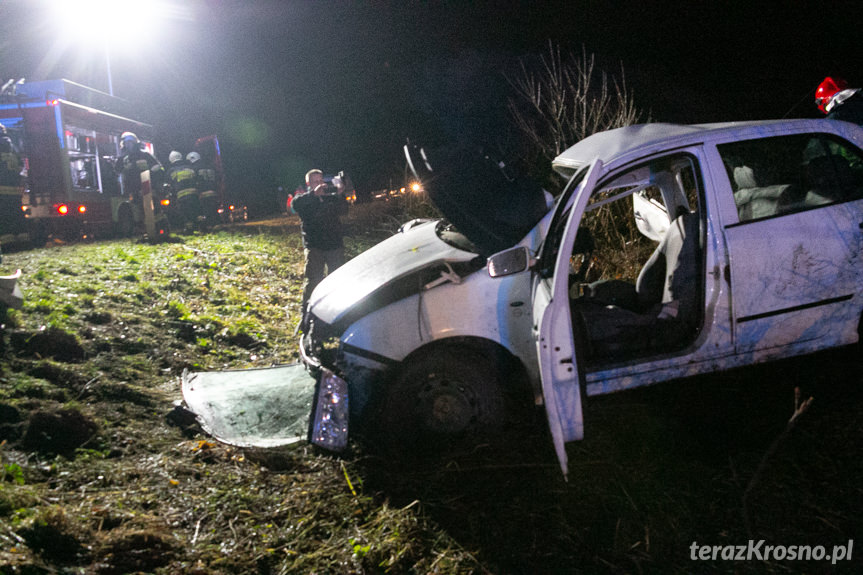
211, 154
67, 136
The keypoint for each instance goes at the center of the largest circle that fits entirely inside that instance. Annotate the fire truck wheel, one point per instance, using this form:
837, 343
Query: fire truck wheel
38, 234
125, 221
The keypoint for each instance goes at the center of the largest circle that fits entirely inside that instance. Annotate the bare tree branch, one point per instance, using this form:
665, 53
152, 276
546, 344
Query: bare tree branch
563, 100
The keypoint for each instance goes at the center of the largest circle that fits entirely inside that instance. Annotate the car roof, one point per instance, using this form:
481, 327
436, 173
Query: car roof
613, 145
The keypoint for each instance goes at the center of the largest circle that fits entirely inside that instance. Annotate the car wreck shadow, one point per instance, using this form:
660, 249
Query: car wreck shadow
659, 469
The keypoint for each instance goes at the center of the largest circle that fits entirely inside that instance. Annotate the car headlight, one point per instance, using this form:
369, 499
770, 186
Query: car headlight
329, 423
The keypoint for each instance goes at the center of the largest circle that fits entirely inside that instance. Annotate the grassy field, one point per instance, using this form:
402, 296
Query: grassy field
100, 474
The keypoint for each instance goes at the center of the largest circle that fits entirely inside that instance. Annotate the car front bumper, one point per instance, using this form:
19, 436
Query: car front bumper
341, 371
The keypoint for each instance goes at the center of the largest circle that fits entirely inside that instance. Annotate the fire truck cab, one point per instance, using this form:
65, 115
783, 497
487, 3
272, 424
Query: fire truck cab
67, 136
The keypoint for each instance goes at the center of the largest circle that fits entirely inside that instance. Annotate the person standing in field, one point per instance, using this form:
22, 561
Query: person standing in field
320, 208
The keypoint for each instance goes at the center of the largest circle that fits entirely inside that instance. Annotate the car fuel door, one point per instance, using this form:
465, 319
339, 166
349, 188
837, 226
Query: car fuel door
553, 330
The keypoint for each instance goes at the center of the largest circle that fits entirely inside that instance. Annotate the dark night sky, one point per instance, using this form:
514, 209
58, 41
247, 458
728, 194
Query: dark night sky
289, 85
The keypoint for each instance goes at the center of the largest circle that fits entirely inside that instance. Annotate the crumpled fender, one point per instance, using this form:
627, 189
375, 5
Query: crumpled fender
385, 273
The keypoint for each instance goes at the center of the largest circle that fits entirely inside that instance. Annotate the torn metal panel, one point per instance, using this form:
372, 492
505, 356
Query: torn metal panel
10, 291
266, 407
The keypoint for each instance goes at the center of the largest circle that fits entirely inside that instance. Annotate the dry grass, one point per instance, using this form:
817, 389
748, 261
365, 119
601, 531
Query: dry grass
97, 477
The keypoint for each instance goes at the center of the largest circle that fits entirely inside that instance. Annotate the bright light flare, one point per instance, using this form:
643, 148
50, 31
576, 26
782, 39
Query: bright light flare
416, 187
103, 20
129, 21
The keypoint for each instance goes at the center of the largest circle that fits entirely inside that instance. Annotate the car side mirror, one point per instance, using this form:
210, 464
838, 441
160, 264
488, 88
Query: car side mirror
508, 262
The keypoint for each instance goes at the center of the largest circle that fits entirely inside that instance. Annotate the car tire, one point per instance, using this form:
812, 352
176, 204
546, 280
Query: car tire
445, 398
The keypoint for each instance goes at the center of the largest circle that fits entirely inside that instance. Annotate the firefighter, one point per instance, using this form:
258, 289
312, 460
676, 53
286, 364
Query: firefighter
133, 161
834, 98
12, 219
207, 194
175, 160
183, 181
10, 161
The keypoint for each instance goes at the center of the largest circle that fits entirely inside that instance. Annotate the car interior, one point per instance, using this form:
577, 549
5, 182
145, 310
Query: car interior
787, 174
636, 286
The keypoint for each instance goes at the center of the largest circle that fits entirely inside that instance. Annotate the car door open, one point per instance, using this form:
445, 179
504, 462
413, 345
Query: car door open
561, 384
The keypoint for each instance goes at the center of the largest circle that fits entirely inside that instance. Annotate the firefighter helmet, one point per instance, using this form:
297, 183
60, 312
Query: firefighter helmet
175, 156
193, 157
826, 90
129, 141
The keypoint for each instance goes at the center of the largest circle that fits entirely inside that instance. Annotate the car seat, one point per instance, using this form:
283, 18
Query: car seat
667, 289
670, 271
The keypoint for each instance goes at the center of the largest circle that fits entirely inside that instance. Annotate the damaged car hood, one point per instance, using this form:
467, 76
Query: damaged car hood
483, 198
397, 267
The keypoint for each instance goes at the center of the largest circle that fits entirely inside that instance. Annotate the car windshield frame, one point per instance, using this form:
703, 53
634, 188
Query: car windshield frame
551, 243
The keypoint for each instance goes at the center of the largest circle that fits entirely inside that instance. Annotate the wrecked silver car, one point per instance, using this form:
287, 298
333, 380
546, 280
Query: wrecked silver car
673, 250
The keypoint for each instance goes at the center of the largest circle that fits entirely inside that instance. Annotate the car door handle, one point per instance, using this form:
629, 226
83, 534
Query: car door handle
726, 273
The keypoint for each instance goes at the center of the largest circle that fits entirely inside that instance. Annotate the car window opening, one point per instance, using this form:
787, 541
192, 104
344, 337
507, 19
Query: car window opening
635, 283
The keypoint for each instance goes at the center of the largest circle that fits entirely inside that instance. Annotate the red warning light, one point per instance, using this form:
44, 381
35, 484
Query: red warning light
82, 209
62, 209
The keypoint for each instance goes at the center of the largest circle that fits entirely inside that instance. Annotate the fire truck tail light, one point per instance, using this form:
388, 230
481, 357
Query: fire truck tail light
82, 209
62, 209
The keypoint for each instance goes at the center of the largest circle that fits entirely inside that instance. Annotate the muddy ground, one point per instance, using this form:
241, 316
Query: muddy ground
102, 474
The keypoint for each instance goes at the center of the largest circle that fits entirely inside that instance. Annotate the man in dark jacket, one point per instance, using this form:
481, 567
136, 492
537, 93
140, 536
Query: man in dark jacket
320, 208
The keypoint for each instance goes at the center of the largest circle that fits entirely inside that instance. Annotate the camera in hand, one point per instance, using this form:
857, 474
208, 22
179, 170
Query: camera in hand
335, 185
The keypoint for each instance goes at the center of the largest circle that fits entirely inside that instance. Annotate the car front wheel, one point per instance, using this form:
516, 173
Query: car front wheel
447, 396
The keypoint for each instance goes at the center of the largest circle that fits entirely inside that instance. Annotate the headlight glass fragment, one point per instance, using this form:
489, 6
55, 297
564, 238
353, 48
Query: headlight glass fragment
329, 424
